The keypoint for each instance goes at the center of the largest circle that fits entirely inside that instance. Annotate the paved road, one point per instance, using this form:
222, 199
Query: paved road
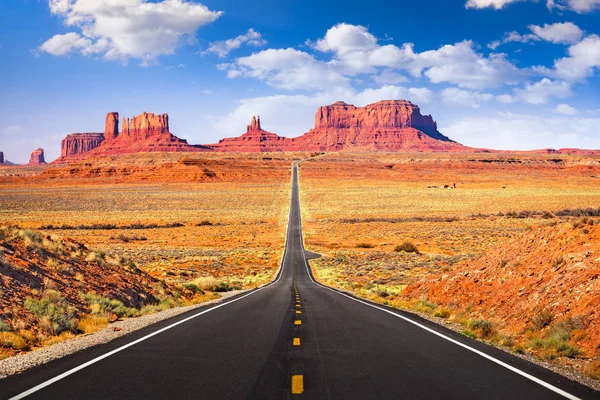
293, 336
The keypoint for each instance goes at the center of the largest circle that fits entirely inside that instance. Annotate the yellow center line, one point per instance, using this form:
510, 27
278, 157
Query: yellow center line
297, 322
298, 312
297, 384
296, 341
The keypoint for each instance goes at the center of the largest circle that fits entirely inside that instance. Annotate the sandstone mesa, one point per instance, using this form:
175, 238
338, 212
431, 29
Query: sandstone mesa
388, 126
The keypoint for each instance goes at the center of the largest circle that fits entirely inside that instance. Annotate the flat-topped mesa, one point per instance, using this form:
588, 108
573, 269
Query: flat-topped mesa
111, 126
389, 125
386, 114
145, 125
37, 157
79, 143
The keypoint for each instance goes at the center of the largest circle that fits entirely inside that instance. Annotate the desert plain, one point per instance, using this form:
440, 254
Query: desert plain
389, 227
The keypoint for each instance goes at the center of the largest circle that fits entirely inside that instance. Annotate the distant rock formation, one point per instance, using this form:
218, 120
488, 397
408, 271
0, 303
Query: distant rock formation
254, 140
37, 157
79, 143
390, 125
146, 132
111, 127
1, 157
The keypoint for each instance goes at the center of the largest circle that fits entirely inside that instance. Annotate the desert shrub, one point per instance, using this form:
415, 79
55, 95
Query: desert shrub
557, 261
482, 327
407, 247
209, 283
4, 327
383, 294
542, 319
424, 306
13, 340
193, 287
100, 305
99, 257
442, 312
364, 245
205, 223
53, 312
92, 323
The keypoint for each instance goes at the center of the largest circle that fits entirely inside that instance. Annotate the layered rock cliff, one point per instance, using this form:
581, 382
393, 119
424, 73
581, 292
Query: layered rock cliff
79, 143
37, 157
254, 140
144, 126
391, 125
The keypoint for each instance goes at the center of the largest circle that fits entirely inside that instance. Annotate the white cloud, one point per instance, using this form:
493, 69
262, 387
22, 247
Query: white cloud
59, 45
540, 92
467, 98
119, 30
288, 69
222, 48
506, 99
389, 77
565, 109
565, 32
583, 58
579, 6
345, 38
497, 4
355, 51
525, 132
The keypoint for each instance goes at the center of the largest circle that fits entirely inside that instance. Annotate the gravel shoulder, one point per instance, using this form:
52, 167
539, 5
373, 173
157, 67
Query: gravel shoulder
17, 364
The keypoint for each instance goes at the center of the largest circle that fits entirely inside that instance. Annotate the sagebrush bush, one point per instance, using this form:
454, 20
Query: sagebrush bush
542, 319
53, 313
4, 327
365, 245
407, 247
483, 327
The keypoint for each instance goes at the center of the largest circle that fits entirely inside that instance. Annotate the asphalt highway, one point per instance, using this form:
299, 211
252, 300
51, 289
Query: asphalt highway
293, 339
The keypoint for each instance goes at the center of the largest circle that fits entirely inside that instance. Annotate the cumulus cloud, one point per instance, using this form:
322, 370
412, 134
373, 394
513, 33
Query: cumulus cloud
565, 32
288, 69
565, 109
467, 98
497, 4
525, 132
355, 51
224, 47
540, 92
583, 58
579, 6
389, 77
120, 30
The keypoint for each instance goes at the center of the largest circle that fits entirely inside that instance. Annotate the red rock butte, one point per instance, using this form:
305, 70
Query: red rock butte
388, 126
37, 157
254, 140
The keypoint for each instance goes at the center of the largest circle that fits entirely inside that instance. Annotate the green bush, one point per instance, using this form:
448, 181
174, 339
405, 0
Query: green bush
4, 327
482, 326
53, 312
193, 288
103, 305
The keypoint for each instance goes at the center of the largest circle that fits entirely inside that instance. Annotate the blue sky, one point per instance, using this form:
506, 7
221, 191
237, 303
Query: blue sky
510, 74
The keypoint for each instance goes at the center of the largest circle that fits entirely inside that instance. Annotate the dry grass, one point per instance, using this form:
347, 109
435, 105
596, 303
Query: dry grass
92, 323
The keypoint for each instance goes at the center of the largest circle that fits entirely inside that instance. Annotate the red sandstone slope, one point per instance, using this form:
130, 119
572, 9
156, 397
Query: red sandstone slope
550, 270
254, 140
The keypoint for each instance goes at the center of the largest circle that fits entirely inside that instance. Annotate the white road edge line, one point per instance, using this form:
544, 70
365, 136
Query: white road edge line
117, 350
481, 353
